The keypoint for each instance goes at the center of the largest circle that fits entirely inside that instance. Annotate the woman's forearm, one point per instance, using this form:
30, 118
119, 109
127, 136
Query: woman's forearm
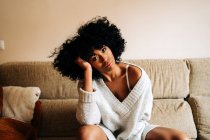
87, 83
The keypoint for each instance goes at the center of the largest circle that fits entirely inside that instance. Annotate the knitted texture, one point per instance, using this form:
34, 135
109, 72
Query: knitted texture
128, 118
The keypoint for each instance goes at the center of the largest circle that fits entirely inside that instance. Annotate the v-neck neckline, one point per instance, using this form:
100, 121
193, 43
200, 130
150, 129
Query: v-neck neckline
125, 106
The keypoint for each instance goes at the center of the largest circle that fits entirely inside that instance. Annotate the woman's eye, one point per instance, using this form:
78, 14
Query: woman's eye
94, 58
103, 49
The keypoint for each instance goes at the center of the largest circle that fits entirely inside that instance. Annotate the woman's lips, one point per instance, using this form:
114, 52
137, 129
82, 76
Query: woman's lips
108, 65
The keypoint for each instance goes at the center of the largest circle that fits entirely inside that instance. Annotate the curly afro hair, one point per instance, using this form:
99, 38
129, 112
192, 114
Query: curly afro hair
92, 35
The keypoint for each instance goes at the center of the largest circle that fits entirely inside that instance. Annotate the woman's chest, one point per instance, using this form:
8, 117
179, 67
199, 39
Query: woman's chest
119, 89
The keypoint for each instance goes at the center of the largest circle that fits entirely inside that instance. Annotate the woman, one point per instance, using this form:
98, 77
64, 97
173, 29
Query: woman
115, 98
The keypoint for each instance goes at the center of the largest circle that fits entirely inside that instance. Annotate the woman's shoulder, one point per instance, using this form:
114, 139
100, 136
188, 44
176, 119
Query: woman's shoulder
134, 73
133, 70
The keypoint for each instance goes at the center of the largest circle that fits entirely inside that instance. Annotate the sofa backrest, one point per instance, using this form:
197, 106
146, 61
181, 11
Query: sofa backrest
40, 74
170, 78
199, 76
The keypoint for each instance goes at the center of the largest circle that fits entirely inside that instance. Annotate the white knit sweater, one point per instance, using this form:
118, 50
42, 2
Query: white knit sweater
129, 117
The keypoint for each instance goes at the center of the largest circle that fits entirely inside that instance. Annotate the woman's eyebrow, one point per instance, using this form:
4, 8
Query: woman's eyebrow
92, 54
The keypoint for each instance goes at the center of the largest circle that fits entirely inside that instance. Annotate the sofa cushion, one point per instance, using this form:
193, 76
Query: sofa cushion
58, 118
19, 102
170, 78
200, 106
172, 113
199, 76
37, 116
204, 136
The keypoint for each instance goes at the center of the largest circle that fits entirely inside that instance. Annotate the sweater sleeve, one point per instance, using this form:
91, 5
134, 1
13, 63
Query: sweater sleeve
87, 109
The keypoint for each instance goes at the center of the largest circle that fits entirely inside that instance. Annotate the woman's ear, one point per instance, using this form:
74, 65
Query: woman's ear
118, 60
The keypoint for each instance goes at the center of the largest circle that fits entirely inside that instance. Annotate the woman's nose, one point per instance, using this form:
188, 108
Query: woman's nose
104, 58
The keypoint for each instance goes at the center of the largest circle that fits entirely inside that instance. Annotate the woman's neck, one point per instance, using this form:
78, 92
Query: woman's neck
114, 74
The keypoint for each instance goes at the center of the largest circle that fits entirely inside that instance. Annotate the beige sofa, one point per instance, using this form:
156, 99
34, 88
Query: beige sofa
181, 89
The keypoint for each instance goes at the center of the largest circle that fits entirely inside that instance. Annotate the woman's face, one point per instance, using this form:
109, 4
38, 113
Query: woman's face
102, 59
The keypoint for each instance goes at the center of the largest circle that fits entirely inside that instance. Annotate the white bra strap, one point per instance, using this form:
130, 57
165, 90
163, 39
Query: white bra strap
127, 79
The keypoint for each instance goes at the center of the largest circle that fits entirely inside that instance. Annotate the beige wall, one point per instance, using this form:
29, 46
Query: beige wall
31, 29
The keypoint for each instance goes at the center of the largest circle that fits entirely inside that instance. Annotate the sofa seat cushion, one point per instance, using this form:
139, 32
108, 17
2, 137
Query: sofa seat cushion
204, 136
174, 113
200, 106
59, 118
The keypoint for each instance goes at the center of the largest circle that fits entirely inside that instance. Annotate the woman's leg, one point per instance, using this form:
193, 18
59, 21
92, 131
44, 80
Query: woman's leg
162, 133
91, 132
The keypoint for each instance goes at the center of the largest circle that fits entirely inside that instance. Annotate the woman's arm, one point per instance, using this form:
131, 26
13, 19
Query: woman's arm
87, 109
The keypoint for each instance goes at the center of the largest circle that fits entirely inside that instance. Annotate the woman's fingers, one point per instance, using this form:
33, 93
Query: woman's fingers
82, 63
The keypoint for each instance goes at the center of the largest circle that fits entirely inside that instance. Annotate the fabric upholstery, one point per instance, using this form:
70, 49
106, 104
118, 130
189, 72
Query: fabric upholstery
199, 76
170, 78
40, 74
201, 111
1, 100
63, 122
37, 116
11, 129
172, 113
19, 102
203, 136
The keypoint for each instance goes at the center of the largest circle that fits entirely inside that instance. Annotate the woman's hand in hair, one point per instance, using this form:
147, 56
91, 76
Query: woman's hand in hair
87, 82
83, 64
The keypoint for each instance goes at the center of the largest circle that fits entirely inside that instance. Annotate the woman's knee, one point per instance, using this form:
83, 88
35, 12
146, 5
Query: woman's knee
86, 132
180, 136
90, 132
162, 133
